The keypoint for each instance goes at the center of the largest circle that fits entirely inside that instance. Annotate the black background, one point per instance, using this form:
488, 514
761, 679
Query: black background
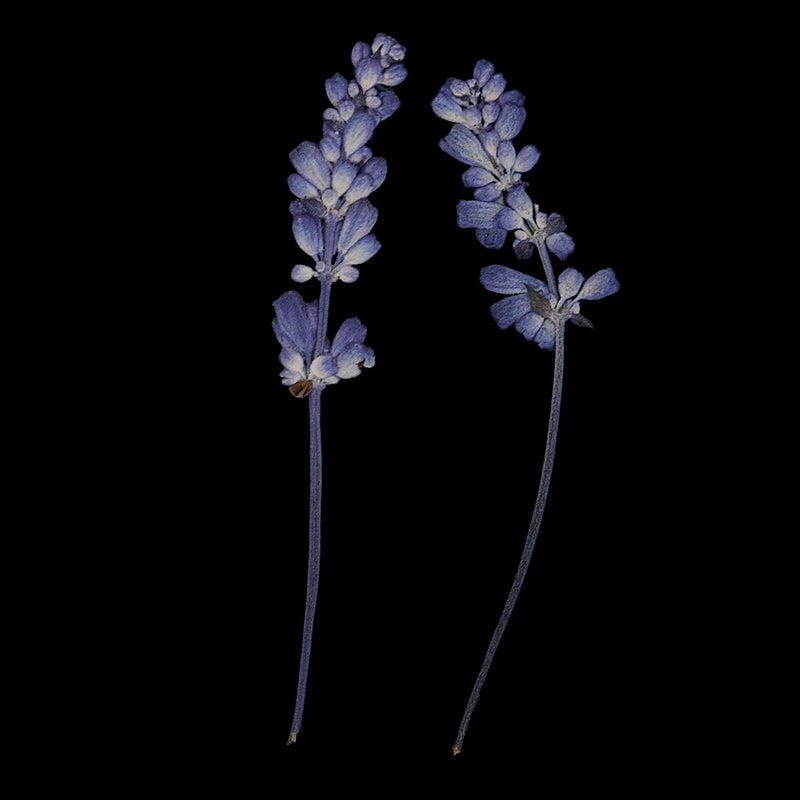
432, 458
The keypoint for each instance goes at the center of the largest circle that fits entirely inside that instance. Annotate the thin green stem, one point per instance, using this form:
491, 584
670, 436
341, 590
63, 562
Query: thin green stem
314, 543
530, 541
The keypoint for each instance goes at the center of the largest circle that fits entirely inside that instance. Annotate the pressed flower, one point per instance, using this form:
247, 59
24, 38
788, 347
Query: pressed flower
295, 327
332, 222
485, 119
534, 310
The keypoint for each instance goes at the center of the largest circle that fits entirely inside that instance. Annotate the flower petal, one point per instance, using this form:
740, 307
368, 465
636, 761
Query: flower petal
362, 250
395, 75
376, 169
292, 362
353, 358
323, 366
292, 323
368, 72
530, 324
510, 121
462, 144
510, 310
307, 232
483, 71
526, 158
336, 88
519, 200
308, 160
504, 280
477, 176
506, 154
344, 173
446, 107
302, 188
560, 244
601, 284
358, 131
358, 222
477, 214
546, 335
491, 238
301, 273
489, 193
569, 282
494, 87
346, 274
509, 220
350, 331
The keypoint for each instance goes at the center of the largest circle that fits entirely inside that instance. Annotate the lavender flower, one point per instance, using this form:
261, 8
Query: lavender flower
295, 326
486, 118
534, 310
332, 222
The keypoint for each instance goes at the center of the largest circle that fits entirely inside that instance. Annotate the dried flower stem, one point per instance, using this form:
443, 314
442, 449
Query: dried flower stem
533, 530
314, 545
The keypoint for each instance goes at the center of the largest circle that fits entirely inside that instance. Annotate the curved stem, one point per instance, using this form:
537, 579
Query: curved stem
314, 543
530, 541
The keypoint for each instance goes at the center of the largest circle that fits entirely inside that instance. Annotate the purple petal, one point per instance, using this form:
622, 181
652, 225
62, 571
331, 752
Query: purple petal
336, 88
504, 280
518, 200
530, 325
308, 235
308, 160
569, 282
358, 131
477, 176
447, 108
350, 331
302, 188
494, 87
510, 121
477, 214
489, 193
462, 144
292, 323
491, 238
509, 220
511, 310
601, 284
483, 71
362, 250
546, 335
560, 244
344, 174
526, 158
358, 222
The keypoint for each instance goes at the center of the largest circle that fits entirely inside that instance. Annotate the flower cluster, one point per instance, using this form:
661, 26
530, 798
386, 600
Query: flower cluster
333, 218
295, 326
534, 310
486, 118
334, 177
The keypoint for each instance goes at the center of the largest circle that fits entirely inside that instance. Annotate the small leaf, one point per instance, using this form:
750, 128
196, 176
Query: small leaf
539, 303
580, 321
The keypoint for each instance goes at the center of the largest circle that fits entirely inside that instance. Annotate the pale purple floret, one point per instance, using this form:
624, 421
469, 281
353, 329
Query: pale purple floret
486, 118
295, 327
534, 310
